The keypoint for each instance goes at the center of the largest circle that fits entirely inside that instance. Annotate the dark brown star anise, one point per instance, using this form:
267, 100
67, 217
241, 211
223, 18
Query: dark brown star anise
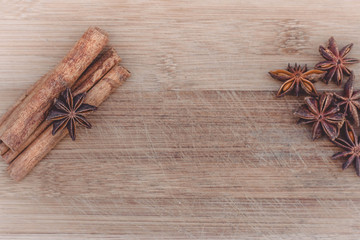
350, 102
335, 61
349, 142
295, 78
67, 110
323, 113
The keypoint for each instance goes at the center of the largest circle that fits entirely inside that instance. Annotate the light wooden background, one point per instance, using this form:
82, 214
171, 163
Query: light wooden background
194, 145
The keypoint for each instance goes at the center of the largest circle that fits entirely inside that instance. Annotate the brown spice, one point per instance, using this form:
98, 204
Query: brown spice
88, 79
69, 110
329, 111
350, 101
296, 78
43, 144
323, 113
336, 61
64, 75
350, 143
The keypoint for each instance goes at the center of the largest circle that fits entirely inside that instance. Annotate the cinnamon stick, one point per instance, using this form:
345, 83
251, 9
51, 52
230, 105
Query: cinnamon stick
11, 114
99, 67
64, 75
41, 146
88, 79
5, 117
3, 148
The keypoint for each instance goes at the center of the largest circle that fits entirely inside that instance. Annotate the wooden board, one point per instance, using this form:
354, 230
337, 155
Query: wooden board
195, 145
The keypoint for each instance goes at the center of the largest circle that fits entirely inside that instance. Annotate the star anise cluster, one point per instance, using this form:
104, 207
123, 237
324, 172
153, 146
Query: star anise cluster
330, 113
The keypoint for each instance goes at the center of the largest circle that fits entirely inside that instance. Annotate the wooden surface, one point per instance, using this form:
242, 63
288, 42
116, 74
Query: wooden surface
195, 145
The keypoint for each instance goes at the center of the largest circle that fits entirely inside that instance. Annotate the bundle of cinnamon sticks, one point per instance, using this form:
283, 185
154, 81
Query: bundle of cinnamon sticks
25, 136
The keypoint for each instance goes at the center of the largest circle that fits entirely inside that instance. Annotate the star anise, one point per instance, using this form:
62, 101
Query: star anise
350, 102
335, 61
323, 113
349, 142
68, 110
295, 78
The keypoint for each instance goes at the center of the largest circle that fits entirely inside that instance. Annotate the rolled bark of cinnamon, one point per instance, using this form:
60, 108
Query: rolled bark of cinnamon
64, 75
88, 79
96, 71
10, 116
41, 146
5, 117
3, 148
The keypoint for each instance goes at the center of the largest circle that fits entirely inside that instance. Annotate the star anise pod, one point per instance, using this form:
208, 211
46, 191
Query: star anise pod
336, 61
68, 110
296, 78
350, 102
323, 113
350, 143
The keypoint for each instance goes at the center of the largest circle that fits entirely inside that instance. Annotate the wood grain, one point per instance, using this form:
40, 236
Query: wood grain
195, 145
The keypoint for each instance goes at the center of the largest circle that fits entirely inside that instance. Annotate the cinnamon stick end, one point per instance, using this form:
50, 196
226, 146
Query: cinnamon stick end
14, 174
3, 148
